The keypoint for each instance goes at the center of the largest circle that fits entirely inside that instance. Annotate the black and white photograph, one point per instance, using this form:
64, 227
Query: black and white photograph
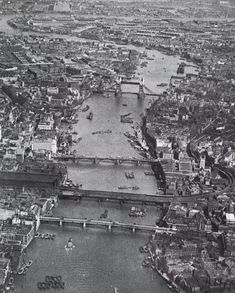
117, 146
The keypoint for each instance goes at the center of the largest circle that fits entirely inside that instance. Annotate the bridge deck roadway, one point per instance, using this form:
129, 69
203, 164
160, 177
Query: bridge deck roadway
98, 223
104, 159
125, 196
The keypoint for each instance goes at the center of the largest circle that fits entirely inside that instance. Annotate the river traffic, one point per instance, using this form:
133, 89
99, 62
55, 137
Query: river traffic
100, 260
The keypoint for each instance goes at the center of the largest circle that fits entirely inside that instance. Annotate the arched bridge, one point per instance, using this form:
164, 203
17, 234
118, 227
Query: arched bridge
110, 225
97, 160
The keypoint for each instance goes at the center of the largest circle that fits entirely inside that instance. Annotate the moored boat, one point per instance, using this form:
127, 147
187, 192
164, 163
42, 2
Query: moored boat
90, 116
122, 187
21, 271
86, 108
29, 263
162, 84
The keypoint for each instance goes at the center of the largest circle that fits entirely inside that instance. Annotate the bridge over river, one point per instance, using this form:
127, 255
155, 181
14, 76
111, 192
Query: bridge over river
96, 160
126, 197
84, 223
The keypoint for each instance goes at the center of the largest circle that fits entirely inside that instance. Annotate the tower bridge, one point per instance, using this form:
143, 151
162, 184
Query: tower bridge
140, 83
142, 92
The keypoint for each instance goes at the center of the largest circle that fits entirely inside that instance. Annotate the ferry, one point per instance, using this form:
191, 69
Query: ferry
122, 187
162, 84
90, 116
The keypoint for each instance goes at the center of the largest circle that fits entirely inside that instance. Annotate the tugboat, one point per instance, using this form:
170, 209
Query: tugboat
90, 116
104, 215
149, 173
86, 108
69, 244
162, 84
129, 175
29, 263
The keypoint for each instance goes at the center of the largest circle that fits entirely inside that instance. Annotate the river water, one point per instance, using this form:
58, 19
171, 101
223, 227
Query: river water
107, 113
101, 260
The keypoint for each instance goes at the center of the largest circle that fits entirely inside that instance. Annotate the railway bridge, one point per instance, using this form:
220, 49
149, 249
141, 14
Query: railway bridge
164, 200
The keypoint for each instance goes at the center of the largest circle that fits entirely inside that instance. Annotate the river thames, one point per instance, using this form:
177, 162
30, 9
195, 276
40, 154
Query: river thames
103, 260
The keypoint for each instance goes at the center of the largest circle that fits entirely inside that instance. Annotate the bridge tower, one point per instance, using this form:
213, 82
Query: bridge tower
118, 92
141, 94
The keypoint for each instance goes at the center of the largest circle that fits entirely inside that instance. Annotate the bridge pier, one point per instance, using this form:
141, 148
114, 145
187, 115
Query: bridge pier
141, 94
61, 223
84, 225
94, 161
138, 163
110, 227
118, 91
165, 205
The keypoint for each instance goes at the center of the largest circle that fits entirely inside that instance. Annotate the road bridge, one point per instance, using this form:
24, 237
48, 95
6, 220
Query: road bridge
110, 225
117, 88
127, 197
97, 160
